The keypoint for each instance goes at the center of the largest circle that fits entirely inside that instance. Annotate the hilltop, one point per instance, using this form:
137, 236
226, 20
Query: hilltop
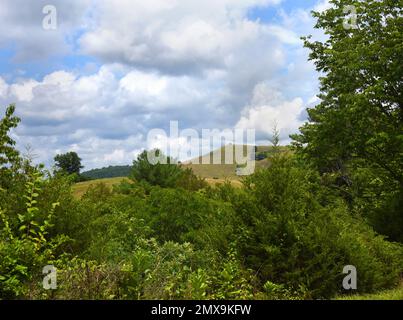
209, 171
228, 171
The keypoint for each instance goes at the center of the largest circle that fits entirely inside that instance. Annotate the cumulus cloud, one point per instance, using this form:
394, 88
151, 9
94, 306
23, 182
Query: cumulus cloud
22, 27
267, 109
177, 36
196, 62
86, 113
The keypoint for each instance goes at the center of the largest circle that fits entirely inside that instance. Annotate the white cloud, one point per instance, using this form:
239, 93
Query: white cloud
267, 109
3, 87
117, 156
285, 35
23, 90
103, 117
196, 62
22, 28
177, 36
322, 5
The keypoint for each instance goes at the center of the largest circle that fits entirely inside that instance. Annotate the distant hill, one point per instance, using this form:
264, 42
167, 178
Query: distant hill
109, 172
228, 171
213, 171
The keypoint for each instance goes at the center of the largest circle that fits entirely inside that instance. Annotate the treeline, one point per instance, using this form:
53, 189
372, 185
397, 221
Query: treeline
107, 172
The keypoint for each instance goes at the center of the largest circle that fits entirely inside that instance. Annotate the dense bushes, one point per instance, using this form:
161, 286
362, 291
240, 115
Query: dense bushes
285, 235
272, 239
292, 239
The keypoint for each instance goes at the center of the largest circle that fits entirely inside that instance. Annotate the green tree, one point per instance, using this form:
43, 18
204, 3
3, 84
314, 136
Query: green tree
189, 181
360, 114
275, 137
9, 156
157, 174
355, 134
69, 162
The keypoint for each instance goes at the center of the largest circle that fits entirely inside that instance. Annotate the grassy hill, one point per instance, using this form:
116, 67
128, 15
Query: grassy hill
213, 173
227, 171
217, 171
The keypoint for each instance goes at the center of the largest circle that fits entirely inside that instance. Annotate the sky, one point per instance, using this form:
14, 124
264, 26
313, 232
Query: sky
112, 70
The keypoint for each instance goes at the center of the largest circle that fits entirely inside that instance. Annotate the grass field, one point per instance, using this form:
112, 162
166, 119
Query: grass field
395, 294
222, 170
234, 182
80, 188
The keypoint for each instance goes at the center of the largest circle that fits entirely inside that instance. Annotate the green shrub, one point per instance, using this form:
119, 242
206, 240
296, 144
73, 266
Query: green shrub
183, 216
25, 245
296, 241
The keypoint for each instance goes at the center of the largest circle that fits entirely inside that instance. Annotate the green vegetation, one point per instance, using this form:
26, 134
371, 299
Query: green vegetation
79, 189
285, 232
69, 163
395, 294
108, 172
355, 135
283, 235
163, 173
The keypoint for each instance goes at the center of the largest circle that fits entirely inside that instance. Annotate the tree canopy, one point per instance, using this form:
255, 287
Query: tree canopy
69, 162
156, 174
359, 119
354, 136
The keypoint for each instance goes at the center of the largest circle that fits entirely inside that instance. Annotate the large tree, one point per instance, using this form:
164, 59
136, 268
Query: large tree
156, 173
360, 114
357, 127
69, 162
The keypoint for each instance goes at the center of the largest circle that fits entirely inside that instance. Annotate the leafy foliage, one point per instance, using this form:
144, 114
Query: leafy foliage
69, 162
24, 243
302, 237
9, 156
109, 172
354, 135
161, 173
164, 172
